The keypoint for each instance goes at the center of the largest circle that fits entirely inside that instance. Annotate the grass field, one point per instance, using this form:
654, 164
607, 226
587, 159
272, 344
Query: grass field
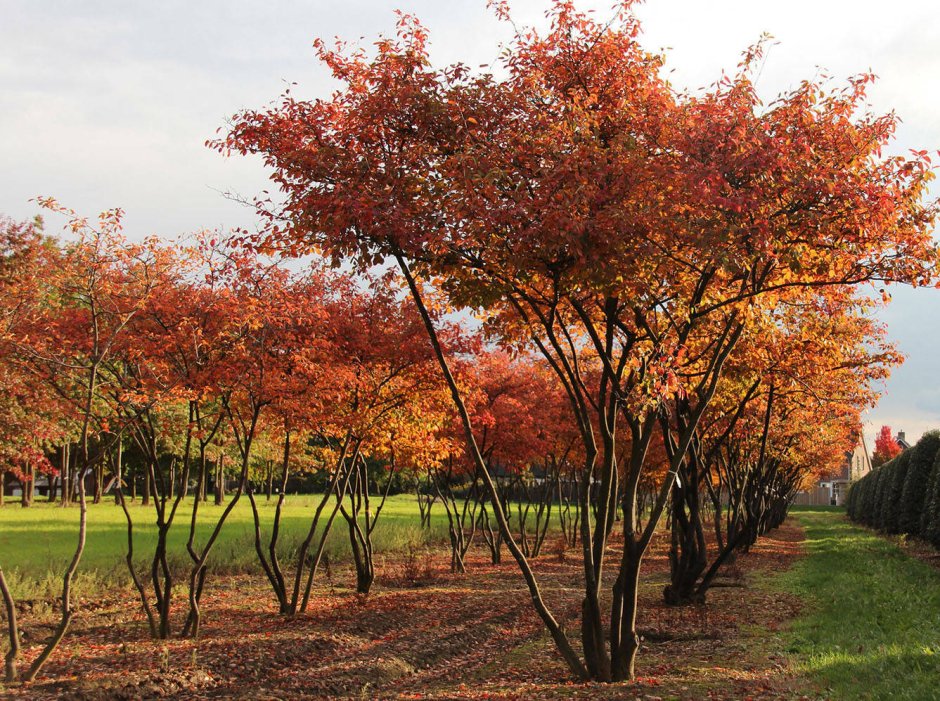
438, 635
36, 543
868, 627
871, 629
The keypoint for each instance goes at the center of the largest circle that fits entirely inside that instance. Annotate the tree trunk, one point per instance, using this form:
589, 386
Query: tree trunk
67, 611
148, 486
200, 493
118, 473
9, 661
99, 482
66, 476
27, 482
337, 489
627, 642
558, 634
129, 557
197, 575
687, 554
220, 480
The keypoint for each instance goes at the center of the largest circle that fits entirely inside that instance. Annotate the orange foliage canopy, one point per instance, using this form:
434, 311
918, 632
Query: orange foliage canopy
631, 234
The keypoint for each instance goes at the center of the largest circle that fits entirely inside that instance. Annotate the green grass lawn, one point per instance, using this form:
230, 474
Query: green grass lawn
36, 543
871, 629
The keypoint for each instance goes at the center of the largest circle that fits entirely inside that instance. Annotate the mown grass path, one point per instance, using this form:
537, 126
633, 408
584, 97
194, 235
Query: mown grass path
871, 627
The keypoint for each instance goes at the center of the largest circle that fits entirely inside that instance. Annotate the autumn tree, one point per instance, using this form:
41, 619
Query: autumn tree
378, 340
266, 318
149, 400
301, 345
92, 289
818, 354
27, 406
585, 208
32, 418
523, 429
886, 447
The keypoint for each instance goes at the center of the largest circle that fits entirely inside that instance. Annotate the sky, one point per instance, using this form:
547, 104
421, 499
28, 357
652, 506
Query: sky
108, 103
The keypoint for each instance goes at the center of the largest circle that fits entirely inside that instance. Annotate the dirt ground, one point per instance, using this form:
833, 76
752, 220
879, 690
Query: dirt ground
425, 633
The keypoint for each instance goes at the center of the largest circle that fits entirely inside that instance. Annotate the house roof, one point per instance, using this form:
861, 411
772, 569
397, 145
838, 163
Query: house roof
900, 440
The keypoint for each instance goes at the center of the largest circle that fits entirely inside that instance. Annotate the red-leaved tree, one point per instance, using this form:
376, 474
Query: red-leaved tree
886, 447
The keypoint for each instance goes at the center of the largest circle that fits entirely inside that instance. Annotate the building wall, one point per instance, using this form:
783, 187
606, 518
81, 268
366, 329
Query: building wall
818, 496
859, 462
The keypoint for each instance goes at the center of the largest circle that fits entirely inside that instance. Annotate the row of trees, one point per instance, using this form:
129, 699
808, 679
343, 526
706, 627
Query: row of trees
640, 240
903, 494
148, 366
673, 297
207, 351
152, 362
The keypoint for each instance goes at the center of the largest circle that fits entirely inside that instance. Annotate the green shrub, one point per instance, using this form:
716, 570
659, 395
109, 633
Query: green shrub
864, 486
916, 481
881, 493
864, 506
851, 499
871, 507
870, 500
930, 518
894, 486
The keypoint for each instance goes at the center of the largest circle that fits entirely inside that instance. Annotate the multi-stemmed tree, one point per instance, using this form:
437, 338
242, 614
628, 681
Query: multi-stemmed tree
817, 355
585, 208
91, 291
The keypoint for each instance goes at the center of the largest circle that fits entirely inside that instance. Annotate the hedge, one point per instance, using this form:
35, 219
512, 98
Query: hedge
915, 483
894, 485
930, 517
882, 487
903, 495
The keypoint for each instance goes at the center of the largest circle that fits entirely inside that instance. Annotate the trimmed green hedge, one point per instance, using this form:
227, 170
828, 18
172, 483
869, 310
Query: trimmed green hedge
882, 488
930, 517
891, 507
903, 495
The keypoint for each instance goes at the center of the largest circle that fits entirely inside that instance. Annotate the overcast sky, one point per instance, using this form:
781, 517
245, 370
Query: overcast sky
107, 103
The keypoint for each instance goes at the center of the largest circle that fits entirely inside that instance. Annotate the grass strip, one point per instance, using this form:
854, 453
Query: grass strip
871, 628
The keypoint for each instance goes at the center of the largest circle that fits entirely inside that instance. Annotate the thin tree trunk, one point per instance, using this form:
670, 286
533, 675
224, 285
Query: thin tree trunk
9, 660
129, 559
66, 475
119, 473
148, 486
558, 635
220, 479
67, 611
198, 572
337, 488
27, 483
99, 482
